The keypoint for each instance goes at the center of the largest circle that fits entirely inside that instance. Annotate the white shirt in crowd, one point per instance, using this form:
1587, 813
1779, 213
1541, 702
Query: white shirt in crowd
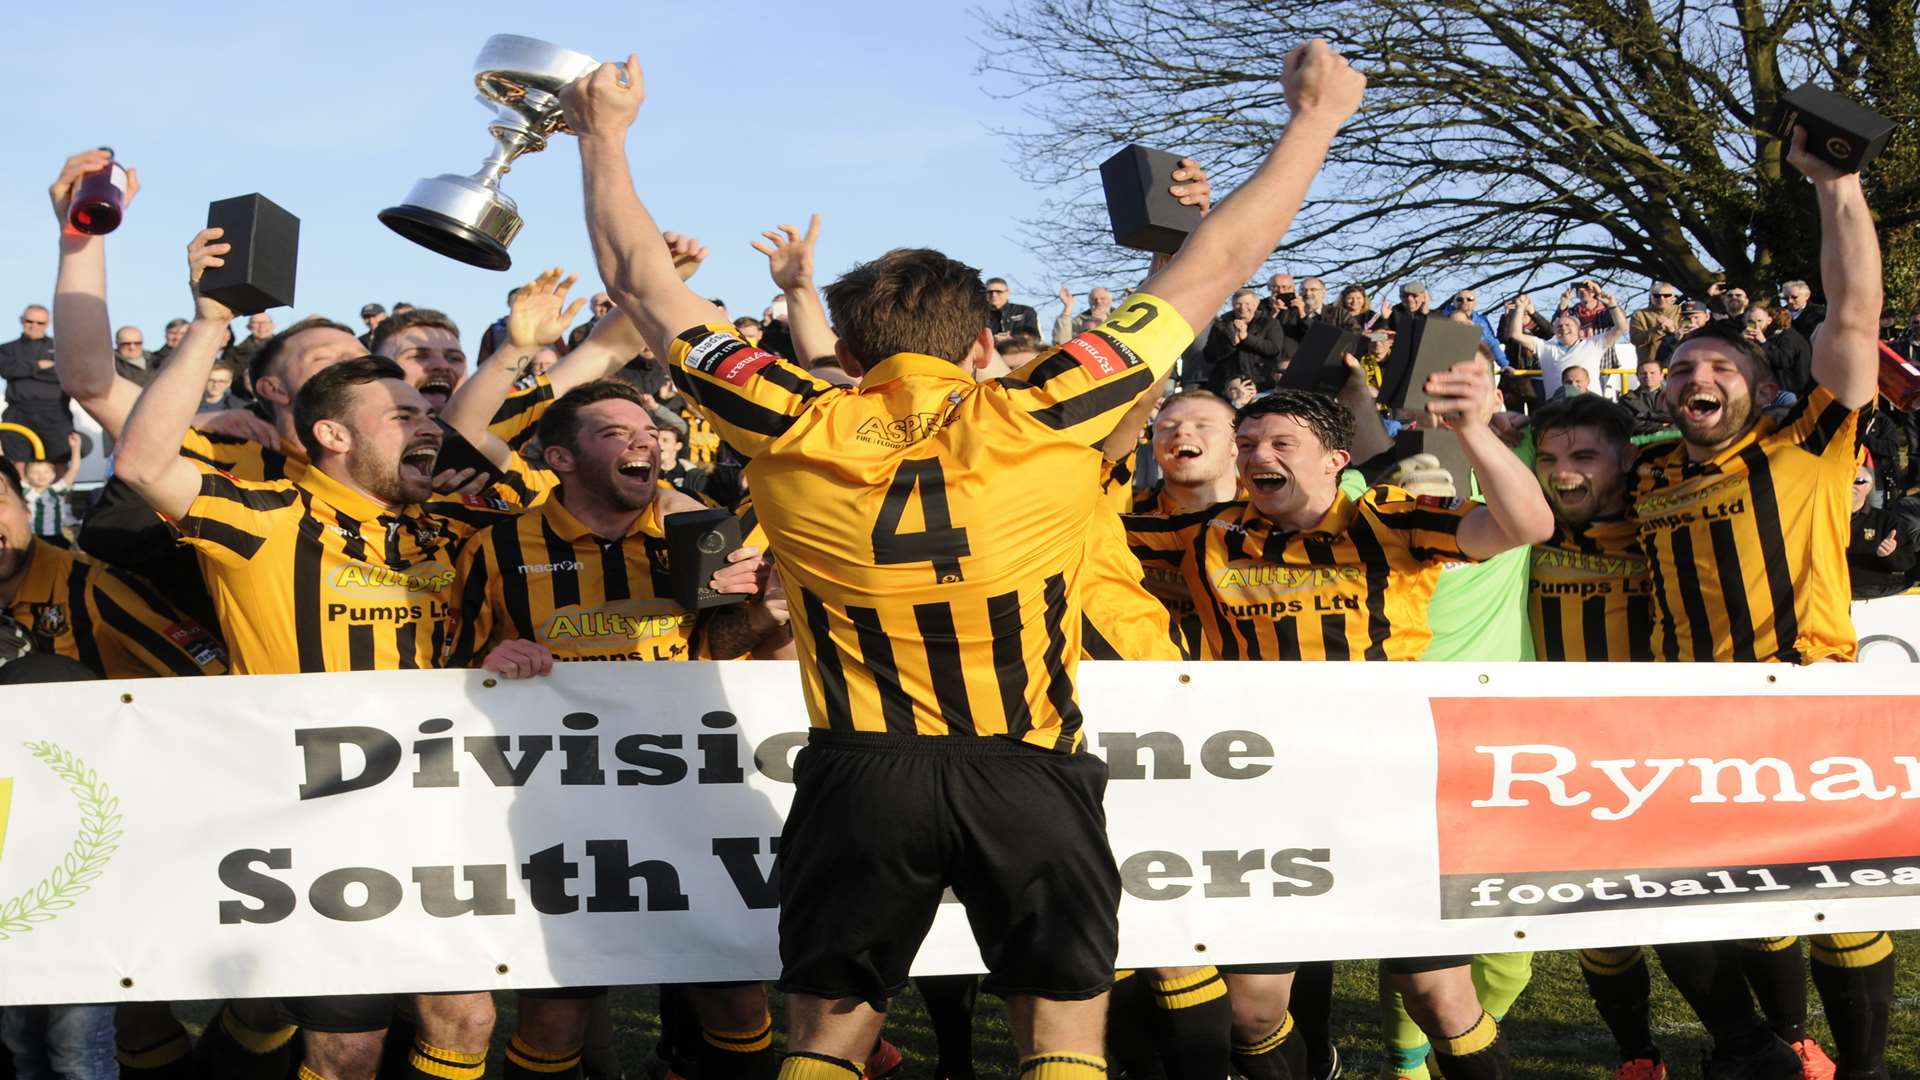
1606, 349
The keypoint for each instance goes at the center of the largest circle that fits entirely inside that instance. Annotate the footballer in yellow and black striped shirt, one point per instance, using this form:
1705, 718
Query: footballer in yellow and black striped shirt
1745, 518
1192, 439
340, 571
585, 575
1590, 591
1298, 571
930, 532
111, 621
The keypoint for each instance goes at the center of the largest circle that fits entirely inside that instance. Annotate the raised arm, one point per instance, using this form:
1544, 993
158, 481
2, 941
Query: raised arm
537, 316
84, 360
148, 458
1241, 232
1612, 335
1846, 348
790, 264
1516, 512
627, 246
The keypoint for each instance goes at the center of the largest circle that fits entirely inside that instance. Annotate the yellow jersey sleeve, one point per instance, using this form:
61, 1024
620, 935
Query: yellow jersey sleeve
749, 395
1822, 427
514, 422
1083, 387
1428, 524
139, 634
231, 520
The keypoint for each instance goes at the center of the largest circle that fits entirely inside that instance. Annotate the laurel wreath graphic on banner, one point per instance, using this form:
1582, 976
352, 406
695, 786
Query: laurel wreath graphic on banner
98, 840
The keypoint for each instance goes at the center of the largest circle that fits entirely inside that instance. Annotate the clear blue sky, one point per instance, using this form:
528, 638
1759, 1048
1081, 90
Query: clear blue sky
756, 113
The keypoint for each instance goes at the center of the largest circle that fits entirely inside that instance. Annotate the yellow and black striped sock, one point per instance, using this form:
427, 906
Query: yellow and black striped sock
738, 1055
1193, 1025
305, 1073
1779, 979
439, 1063
1063, 1066
1281, 1055
229, 1048
1854, 974
524, 1062
804, 1065
1131, 1044
1478, 1053
169, 1059
1622, 990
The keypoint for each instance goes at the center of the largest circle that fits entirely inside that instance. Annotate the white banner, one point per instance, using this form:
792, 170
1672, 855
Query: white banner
263, 836
1889, 629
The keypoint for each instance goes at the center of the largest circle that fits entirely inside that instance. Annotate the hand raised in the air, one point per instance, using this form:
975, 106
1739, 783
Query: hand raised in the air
1320, 84
603, 102
1191, 185
77, 166
203, 253
790, 255
688, 254
539, 313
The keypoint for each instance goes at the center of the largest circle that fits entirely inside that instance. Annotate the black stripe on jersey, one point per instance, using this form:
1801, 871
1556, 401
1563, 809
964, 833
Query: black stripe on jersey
359, 648
1553, 639
1286, 633
81, 620
876, 653
514, 586
153, 641
565, 575
1640, 628
217, 486
1146, 554
352, 544
1373, 556
1733, 586
473, 598
1081, 408
1669, 631
739, 411
1009, 661
1593, 627
1333, 637
613, 572
657, 566
1216, 609
1773, 554
826, 662
943, 664
1059, 683
518, 403
1825, 428
1691, 598
1251, 635
234, 539
1049, 369
1319, 552
406, 639
1094, 643
194, 455
308, 563
1583, 540
791, 381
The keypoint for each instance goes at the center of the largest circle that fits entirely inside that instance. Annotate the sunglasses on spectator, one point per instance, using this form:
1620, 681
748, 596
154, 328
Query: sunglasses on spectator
33, 322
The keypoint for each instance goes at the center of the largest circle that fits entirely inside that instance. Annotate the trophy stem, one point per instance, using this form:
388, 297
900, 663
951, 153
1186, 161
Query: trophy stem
507, 145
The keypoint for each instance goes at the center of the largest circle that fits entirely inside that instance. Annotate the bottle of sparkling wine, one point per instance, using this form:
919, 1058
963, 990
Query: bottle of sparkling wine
99, 199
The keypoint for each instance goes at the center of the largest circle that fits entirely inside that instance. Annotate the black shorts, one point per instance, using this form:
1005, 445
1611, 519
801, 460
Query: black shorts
338, 1013
882, 825
1417, 965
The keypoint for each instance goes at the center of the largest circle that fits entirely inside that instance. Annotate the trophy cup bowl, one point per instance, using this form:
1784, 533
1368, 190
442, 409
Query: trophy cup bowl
468, 217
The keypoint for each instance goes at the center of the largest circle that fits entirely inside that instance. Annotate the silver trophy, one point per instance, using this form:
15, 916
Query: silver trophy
468, 217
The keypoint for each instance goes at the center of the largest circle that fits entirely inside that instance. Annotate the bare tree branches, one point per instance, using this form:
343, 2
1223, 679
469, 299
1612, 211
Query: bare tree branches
1518, 141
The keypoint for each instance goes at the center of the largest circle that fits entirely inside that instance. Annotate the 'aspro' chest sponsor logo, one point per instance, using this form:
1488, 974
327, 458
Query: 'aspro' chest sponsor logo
903, 431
